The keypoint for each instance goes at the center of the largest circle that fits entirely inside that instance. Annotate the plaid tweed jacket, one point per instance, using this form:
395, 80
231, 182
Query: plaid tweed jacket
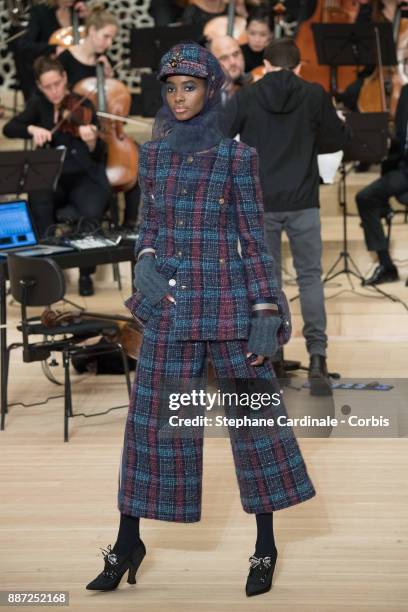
197, 209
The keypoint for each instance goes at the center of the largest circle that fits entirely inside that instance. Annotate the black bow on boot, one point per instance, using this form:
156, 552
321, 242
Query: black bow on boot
115, 567
260, 574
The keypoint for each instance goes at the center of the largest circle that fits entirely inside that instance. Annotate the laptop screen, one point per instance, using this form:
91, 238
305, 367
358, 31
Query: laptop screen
16, 228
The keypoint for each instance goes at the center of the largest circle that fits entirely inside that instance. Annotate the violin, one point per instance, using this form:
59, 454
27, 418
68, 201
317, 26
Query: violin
129, 334
73, 114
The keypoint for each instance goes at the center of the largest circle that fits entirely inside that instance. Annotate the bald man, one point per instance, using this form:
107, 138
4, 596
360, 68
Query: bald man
228, 52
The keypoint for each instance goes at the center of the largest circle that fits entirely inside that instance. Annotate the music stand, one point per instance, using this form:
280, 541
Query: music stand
24, 171
369, 144
345, 44
147, 45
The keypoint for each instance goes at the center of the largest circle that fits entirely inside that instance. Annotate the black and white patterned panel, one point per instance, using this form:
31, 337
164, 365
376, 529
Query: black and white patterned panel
7, 70
130, 13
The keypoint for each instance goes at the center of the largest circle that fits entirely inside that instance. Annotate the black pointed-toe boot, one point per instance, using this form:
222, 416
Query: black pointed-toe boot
116, 566
260, 574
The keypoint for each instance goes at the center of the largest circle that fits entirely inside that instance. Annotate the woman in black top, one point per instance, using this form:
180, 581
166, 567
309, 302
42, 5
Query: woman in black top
80, 61
83, 191
201, 11
45, 19
259, 35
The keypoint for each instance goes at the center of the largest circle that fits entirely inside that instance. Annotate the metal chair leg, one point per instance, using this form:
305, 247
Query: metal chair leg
4, 389
116, 275
67, 396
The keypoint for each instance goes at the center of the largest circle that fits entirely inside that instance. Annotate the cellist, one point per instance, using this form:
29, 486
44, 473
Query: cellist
79, 61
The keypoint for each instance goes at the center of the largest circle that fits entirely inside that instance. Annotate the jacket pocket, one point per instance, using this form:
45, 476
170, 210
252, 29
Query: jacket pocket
138, 304
140, 307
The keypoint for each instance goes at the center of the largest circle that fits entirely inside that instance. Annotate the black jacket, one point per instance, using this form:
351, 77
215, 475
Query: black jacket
40, 112
289, 121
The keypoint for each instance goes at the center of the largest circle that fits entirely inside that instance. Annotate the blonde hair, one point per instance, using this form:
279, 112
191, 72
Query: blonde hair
99, 17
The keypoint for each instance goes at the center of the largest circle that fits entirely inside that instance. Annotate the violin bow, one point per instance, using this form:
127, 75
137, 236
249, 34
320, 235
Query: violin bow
138, 122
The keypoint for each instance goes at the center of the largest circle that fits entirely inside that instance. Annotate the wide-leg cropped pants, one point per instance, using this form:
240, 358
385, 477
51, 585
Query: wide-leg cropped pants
161, 477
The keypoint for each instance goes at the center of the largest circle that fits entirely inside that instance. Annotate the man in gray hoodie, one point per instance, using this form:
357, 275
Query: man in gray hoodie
289, 121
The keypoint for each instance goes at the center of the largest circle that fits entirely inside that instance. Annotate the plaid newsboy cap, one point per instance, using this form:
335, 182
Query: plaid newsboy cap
189, 59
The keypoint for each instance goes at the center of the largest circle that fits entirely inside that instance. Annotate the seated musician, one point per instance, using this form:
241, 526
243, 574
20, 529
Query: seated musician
201, 11
259, 35
228, 52
46, 17
79, 61
372, 201
83, 189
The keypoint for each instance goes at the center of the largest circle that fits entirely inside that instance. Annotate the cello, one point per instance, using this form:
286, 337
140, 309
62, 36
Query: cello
112, 96
70, 35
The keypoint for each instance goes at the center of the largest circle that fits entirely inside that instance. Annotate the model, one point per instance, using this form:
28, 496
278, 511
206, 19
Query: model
200, 292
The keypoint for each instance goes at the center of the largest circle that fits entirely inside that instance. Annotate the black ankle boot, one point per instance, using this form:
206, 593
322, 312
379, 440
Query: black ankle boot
319, 377
260, 574
116, 566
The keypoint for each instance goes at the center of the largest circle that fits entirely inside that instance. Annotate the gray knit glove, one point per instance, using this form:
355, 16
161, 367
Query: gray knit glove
148, 280
263, 335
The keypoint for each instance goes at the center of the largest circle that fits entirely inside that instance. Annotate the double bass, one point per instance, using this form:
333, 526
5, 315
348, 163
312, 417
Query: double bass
327, 11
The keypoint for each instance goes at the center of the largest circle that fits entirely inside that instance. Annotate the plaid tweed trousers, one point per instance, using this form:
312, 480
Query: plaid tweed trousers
161, 477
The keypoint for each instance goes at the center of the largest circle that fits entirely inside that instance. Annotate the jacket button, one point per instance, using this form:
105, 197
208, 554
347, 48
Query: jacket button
179, 254
172, 282
190, 159
222, 260
180, 223
221, 201
183, 191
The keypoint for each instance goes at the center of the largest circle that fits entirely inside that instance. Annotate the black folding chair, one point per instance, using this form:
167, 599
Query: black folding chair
36, 281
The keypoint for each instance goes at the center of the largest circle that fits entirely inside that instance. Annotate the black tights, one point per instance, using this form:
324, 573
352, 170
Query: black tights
129, 535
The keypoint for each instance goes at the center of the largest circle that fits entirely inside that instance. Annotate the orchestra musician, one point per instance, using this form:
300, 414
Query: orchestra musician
259, 35
79, 62
46, 17
228, 52
201, 11
83, 190
372, 201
